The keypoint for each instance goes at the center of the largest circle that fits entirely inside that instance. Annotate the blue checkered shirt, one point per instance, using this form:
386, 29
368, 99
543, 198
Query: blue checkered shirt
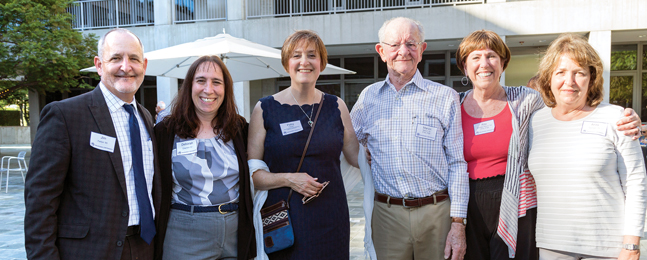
120, 120
415, 139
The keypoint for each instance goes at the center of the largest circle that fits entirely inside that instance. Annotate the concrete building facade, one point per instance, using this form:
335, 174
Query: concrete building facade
616, 28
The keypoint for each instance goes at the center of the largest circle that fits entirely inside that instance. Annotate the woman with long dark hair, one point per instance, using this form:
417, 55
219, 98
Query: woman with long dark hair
206, 210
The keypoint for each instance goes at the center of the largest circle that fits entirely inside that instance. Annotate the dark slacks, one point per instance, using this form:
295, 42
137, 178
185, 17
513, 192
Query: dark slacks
483, 242
136, 249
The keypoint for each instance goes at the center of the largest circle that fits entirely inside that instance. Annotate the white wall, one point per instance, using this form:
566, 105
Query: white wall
15, 135
510, 19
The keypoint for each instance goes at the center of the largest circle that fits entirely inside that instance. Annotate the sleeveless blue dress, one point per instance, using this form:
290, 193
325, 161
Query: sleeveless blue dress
321, 227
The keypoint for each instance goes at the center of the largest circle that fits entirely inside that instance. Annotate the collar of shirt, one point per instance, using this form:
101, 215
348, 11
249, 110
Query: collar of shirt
417, 81
114, 103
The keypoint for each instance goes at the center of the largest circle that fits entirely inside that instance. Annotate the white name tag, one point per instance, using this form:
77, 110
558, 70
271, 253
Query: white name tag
187, 147
291, 127
484, 127
426, 132
595, 128
102, 142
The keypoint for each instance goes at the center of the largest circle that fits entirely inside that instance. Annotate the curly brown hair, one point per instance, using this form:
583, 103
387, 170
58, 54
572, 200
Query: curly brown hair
579, 50
184, 120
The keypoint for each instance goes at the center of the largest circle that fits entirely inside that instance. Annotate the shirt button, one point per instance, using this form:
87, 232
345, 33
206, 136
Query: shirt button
119, 243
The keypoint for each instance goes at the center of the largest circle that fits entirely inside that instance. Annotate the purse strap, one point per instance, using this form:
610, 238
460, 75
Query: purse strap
312, 129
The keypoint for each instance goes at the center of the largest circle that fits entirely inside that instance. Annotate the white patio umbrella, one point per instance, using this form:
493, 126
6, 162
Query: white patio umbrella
245, 60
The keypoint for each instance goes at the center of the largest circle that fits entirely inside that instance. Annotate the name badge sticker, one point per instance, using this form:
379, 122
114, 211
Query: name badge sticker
102, 142
187, 147
291, 127
595, 128
426, 132
484, 127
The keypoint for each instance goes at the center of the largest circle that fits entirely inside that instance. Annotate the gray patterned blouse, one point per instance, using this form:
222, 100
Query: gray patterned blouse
205, 172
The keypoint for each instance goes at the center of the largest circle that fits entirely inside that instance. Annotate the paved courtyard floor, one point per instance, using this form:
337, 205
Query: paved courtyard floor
12, 212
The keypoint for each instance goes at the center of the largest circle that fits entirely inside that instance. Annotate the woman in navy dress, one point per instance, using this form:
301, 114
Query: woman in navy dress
279, 127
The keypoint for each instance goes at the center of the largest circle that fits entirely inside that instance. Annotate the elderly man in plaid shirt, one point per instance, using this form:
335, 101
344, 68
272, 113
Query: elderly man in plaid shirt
412, 128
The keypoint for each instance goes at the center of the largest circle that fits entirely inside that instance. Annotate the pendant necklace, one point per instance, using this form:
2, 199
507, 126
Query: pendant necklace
304, 112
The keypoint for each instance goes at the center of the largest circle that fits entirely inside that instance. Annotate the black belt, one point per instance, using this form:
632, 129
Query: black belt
222, 208
133, 230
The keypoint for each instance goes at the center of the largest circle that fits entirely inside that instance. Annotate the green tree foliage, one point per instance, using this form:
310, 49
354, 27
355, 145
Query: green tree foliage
621, 92
20, 98
39, 49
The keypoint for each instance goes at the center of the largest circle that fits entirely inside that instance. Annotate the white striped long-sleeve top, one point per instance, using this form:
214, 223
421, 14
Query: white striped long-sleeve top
591, 184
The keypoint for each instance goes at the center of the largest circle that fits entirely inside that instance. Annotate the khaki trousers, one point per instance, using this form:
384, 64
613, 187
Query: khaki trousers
410, 233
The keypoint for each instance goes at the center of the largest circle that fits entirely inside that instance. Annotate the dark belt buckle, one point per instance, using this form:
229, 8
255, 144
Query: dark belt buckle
404, 203
222, 212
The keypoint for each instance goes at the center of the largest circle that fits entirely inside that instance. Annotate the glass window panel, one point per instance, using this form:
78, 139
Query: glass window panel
643, 113
432, 65
644, 60
454, 71
352, 93
336, 62
330, 88
621, 92
150, 99
382, 71
439, 81
623, 57
363, 66
459, 87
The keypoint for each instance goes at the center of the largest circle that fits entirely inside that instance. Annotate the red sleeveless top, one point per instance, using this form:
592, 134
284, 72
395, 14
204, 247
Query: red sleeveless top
485, 143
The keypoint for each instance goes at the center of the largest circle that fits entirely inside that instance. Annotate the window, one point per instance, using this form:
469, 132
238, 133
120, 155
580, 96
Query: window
624, 57
336, 62
363, 66
432, 65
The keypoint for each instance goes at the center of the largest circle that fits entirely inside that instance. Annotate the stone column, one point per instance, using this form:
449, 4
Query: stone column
241, 94
166, 89
34, 112
235, 10
601, 41
163, 10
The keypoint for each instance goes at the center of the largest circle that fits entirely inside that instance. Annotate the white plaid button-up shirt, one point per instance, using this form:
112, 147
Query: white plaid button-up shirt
415, 139
120, 120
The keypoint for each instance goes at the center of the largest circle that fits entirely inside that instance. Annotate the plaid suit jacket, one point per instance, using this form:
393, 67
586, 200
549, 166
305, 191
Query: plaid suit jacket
75, 195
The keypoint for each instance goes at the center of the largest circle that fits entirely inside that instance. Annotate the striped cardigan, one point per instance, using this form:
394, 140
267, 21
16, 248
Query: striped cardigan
519, 190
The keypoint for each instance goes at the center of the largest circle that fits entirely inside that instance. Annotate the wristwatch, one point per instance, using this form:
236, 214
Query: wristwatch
631, 247
459, 220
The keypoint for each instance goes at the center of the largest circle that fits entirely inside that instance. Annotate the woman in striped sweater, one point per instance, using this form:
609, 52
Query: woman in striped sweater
591, 183
502, 208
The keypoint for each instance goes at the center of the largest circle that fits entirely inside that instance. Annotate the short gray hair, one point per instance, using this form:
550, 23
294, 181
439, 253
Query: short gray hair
102, 40
421, 30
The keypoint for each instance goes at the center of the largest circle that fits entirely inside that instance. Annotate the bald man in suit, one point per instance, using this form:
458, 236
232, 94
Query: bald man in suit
92, 190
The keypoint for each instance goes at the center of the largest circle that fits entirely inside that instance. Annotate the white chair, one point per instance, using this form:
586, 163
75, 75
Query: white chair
22, 167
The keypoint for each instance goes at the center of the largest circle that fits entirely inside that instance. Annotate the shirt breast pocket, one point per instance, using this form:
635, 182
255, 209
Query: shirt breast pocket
425, 136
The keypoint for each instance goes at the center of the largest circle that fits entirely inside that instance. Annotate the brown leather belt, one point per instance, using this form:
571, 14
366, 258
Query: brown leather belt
413, 203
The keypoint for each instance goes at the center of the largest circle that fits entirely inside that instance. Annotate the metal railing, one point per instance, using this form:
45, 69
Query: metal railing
199, 10
96, 14
277, 8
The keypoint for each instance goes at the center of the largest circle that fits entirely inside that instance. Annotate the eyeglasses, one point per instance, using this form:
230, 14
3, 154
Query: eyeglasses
410, 45
306, 200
